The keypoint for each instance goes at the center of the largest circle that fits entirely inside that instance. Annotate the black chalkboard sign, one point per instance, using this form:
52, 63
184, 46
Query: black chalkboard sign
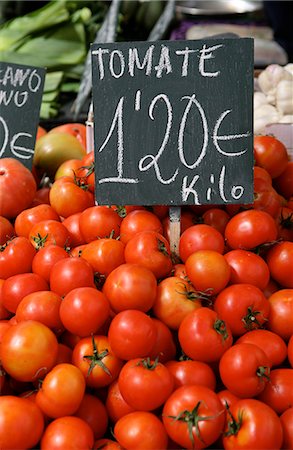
173, 122
21, 89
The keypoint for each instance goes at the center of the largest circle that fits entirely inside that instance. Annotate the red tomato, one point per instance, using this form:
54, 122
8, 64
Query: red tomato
266, 199
193, 416
271, 343
106, 444
280, 262
271, 154
151, 250
189, 372
175, 299
45, 259
200, 237
17, 187
141, 430
278, 393
208, 271
217, 218
130, 286
203, 336
290, 351
70, 273
137, 221
15, 288
284, 221
252, 424
245, 370
70, 433
262, 175
64, 354
70, 196
116, 405
248, 268
84, 310
28, 350
49, 232
87, 170
250, 229
62, 391
270, 288
132, 334
104, 255
72, 225
164, 348
29, 217
78, 130
69, 168
99, 222
227, 398
95, 358
41, 197
145, 384
284, 182
94, 413
4, 313
42, 306
243, 307
16, 257
21, 423
281, 313
6, 230
287, 425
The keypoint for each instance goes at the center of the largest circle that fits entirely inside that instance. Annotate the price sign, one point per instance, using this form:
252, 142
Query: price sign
173, 122
21, 89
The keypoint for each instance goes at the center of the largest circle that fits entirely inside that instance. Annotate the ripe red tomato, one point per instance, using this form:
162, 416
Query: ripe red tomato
94, 357
137, 221
45, 259
70, 196
194, 416
17, 187
42, 306
284, 221
116, 405
41, 197
271, 343
252, 424
21, 423
141, 430
151, 250
208, 271
72, 225
284, 182
266, 198
70, 273
290, 351
16, 257
99, 222
132, 334
250, 229
29, 217
62, 391
287, 425
217, 218
49, 232
130, 286
174, 300
227, 398
247, 267
67, 432
104, 255
278, 393
106, 444
4, 313
245, 370
243, 307
203, 336
6, 230
15, 288
93, 411
271, 154
69, 168
281, 313
280, 261
84, 310
189, 372
200, 237
165, 347
28, 350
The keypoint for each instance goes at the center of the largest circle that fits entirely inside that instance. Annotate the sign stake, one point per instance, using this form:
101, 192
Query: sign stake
174, 216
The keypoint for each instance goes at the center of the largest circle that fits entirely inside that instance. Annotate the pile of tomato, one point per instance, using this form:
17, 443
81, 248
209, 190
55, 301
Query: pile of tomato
110, 341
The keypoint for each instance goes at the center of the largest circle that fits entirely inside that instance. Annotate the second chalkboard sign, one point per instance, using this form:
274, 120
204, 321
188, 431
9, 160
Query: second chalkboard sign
173, 122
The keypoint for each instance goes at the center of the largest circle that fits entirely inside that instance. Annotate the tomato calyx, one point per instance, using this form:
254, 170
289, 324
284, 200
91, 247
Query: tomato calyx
148, 364
96, 359
121, 211
81, 182
263, 372
89, 169
39, 241
263, 248
250, 320
233, 424
286, 222
192, 419
192, 295
220, 328
162, 248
